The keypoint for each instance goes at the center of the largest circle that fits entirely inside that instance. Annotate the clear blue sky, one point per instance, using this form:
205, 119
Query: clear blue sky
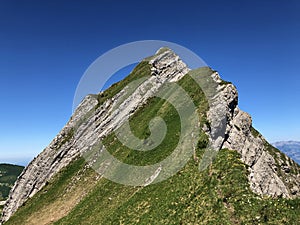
45, 47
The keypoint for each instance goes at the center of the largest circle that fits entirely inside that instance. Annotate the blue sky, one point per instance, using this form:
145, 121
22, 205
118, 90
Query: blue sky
46, 46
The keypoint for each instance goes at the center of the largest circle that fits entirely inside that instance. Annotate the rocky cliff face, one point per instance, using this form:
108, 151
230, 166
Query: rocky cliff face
271, 173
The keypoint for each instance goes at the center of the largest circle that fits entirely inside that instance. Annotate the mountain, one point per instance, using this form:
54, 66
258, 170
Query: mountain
8, 176
210, 166
290, 148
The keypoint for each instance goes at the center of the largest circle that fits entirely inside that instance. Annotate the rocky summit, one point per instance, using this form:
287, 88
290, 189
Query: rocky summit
248, 182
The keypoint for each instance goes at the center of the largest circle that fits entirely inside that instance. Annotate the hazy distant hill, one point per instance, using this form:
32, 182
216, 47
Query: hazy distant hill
291, 148
8, 176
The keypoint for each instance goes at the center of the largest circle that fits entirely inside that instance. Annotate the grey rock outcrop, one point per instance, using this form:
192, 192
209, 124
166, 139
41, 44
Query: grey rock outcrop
264, 168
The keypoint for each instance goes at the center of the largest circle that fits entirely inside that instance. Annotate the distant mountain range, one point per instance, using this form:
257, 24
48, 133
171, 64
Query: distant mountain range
291, 148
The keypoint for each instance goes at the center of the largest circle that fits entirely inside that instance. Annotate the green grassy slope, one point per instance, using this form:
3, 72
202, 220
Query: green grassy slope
218, 195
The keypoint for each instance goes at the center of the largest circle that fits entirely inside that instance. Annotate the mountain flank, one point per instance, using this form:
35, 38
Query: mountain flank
249, 181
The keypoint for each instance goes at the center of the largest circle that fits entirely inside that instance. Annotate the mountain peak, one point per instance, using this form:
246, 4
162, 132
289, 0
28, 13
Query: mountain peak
167, 63
98, 118
164, 49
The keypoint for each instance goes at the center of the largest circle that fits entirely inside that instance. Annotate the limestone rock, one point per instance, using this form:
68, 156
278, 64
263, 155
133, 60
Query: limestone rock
264, 175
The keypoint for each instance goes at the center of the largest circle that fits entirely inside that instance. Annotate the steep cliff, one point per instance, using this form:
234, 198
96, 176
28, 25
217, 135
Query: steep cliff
270, 173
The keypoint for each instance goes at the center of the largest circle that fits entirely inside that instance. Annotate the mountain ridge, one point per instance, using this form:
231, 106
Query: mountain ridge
110, 108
